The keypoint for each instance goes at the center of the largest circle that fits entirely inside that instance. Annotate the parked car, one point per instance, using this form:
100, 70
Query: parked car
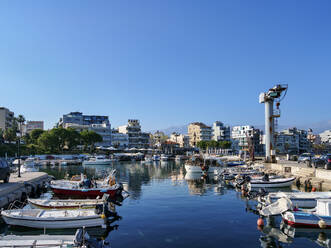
318, 161
305, 157
4, 170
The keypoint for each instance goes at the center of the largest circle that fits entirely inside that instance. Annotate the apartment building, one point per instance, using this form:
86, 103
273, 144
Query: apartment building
198, 131
243, 136
221, 132
181, 139
137, 138
6, 118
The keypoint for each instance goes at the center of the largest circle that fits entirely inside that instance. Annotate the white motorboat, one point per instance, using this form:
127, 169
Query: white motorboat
80, 240
209, 165
271, 183
298, 199
54, 241
98, 160
64, 204
53, 219
29, 166
199, 169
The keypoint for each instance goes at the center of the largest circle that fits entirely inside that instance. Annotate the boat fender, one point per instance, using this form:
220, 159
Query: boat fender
260, 222
322, 224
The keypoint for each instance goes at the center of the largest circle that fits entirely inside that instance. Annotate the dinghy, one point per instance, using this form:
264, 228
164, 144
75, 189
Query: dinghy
271, 183
299, 199
55, 219
315, 218
88, 188
64, 204
80, 240
76, 190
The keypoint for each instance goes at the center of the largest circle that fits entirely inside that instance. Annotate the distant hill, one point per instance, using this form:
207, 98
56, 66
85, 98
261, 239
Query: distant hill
178, 129
317, 127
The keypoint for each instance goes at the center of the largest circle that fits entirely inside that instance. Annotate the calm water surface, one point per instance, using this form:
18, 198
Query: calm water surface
168, 208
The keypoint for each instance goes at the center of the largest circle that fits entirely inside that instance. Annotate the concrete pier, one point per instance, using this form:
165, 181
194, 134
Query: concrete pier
19, 188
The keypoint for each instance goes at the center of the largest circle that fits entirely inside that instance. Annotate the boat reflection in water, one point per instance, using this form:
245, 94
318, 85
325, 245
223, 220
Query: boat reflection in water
200, 184
285, 234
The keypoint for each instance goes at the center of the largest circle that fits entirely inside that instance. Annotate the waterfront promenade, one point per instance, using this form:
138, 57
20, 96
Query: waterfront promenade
19, 188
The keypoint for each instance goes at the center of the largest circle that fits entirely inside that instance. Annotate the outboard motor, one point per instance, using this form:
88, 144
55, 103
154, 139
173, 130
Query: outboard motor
247, 178
265, 178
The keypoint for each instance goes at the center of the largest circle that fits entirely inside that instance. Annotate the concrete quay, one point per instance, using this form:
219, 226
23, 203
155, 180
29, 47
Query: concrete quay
19, 188
317, 177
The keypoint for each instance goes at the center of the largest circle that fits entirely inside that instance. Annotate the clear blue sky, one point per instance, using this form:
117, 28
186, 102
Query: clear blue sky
165, 62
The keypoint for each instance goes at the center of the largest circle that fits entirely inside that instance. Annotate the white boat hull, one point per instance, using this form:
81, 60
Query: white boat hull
274, 183
299, 199
198, 169
53, 222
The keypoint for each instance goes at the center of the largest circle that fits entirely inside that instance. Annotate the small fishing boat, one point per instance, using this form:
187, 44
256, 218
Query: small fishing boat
234, 163
70, 189
298, 199
55, 219
320, 217
200, 165
88, 188
271, 183
64, 204
80, 240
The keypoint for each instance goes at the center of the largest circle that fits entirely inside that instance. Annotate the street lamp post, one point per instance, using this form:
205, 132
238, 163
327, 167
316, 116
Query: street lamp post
19, 153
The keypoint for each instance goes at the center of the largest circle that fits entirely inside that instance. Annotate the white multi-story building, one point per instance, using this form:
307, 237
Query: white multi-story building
119, 140
137, 138
221, 132
6, 118
181, 139
103, 130
240, 138
326, 137
97, 123
292, 140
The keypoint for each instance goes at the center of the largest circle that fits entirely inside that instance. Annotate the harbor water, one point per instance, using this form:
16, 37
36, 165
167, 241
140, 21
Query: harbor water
169, 208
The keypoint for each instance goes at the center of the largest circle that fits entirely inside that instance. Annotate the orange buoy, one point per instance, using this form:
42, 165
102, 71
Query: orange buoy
260, 222
313, 189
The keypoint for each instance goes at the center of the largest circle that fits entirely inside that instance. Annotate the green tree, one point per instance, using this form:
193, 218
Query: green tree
9, 134
72, 138
89, 138
202, 144
1, 135
35, 134
224, 144
49, 142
